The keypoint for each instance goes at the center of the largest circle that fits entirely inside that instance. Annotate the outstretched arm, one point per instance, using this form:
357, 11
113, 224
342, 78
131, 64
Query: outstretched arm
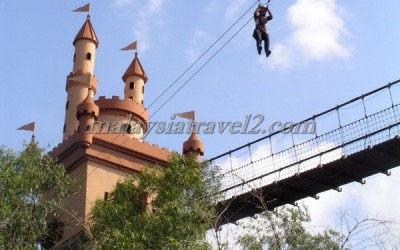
269, 14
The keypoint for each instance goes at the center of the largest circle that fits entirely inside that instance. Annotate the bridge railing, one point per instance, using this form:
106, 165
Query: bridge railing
241, 174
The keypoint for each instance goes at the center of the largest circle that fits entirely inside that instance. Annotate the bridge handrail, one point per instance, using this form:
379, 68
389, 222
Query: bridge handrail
361, 97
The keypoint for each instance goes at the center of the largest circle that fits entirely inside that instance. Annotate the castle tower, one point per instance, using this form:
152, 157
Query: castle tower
193, 147
135, 78
87, 113
126, 116
82, 78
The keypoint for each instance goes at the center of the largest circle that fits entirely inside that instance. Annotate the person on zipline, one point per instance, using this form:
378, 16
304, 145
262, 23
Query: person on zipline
261, 32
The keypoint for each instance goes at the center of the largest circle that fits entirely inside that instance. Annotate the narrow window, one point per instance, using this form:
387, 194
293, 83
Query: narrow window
131, 85
74, 57
126, 128
142, 101
65, 128
89, 56
106, 196
66, 105
143, 90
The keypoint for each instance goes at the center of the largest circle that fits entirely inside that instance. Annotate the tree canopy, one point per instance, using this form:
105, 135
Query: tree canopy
33, 186
163, 208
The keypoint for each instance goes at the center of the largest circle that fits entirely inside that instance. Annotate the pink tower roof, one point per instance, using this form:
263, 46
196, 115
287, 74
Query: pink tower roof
87, 32
193, 143
135, 69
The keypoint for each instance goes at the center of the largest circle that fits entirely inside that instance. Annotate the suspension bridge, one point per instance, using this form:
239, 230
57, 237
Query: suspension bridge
284, 167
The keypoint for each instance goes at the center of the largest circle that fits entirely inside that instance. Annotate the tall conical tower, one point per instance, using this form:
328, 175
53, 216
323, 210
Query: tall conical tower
82, 78
135, 78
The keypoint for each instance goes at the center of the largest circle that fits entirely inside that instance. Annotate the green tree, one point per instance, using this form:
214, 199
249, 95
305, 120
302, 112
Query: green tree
33, 186
163, 208
285, 229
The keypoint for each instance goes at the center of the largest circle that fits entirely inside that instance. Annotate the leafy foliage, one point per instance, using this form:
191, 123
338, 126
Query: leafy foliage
161, 208
32, 186
286, 230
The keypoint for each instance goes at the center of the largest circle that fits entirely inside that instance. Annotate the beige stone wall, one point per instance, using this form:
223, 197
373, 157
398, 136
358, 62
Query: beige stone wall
113, 117
76, 95
100, 179
82, 47
75, 205
137, 91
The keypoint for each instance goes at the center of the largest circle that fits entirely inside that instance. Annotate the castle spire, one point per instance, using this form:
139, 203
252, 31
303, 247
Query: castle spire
82, 76
87, 32
135, 78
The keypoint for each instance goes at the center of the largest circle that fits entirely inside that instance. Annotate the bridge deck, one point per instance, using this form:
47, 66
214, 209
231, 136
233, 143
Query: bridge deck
355, 167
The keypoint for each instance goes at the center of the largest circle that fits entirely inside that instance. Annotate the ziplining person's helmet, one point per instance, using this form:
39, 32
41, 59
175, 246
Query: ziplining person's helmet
263, 8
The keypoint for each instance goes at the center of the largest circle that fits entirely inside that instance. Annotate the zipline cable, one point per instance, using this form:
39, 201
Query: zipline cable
202, 55
202, 66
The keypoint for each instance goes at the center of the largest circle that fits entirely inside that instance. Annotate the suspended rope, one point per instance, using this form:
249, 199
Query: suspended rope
367, 123
251, 159
202, 66
198, 59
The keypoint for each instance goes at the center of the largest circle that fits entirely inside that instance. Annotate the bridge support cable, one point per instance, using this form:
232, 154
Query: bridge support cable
366, 123
314, 117
396, 114
340, 129
310, 164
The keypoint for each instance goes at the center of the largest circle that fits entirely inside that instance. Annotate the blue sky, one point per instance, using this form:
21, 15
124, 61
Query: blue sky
324, 52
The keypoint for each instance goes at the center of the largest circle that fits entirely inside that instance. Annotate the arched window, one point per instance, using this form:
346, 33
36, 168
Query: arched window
126, 128
89, 56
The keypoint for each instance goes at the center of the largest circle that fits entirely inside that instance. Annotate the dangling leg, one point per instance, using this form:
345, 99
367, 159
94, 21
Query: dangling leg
266, 44
257, 35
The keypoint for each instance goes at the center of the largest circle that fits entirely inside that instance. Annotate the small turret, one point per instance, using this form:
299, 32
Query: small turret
193, 147
87, 113
135, 78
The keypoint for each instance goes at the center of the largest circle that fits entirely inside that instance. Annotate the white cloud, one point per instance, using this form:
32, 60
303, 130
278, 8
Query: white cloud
121, 3
154, 6
198, 42
232, 11
318, 30
143, 23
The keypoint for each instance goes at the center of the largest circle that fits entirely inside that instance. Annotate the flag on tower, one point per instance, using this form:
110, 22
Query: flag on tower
85, 8
188, 115
132, 46
28, 127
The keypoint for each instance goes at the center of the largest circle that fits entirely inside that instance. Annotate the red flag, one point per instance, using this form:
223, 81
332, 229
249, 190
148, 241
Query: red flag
85, 8
188, 115
131, 46
28, 127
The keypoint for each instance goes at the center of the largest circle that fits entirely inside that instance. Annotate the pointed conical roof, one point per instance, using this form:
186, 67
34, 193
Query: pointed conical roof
87, 32
87, 106
135, 69
194, 143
